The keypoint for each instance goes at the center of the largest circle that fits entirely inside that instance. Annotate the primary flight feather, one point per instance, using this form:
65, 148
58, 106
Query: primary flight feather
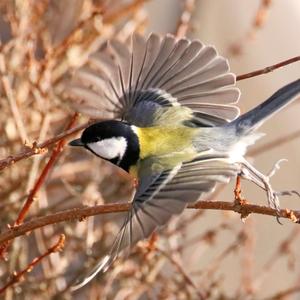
171, 122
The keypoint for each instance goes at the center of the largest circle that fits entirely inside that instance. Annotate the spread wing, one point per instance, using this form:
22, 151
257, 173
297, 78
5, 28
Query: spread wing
133, 83
163, 194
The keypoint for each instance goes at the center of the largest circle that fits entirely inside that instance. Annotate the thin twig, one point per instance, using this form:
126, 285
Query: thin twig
261, 14
210, 270
40, 181
14, 108
18, 276
185, 19
268, 69
124, 11
40, 148
257, 24
182, 271
275, 143
83, 212
281, 250
44, 174
283, 294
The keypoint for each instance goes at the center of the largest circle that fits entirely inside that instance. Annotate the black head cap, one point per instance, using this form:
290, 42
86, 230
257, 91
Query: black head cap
112, 140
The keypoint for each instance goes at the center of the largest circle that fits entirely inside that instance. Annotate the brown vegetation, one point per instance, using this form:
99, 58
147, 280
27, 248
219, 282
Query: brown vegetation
44, 185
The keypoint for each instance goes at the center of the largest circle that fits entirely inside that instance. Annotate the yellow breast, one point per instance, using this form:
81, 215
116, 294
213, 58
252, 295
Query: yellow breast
161, 140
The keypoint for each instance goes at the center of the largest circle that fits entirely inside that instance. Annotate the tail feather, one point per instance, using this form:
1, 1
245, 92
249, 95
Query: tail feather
123, 239
106, 261
102, 266
251, 120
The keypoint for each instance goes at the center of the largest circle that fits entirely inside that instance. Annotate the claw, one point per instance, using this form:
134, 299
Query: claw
288, 193
278, 220
277, 207
263, 181
276, 167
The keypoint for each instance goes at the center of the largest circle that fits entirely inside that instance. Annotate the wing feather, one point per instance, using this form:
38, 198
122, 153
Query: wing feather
176, 55
229, 96
165, 72
160, 196
196, 65
152, 50
166, 49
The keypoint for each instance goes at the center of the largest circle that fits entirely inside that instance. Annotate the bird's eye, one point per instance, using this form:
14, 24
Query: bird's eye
110, 148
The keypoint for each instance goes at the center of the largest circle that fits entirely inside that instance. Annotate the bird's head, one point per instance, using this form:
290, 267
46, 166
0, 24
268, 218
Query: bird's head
112, 140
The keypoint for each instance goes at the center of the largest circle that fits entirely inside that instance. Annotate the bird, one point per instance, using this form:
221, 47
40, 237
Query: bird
167, 115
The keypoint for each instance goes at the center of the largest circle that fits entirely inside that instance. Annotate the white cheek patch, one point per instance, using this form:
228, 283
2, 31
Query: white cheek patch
114, 147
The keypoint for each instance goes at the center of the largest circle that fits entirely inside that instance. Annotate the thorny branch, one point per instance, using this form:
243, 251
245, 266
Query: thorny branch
83, 212
18, 276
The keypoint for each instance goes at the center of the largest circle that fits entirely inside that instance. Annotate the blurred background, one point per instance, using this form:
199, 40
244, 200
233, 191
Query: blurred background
209, 252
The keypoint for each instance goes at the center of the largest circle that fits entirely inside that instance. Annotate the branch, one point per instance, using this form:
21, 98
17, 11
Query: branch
181, 270
44, 174
257, 24
268, 69
18, 276
285, 293
40, 148
185, 18
275, 143
81, 213
40, 181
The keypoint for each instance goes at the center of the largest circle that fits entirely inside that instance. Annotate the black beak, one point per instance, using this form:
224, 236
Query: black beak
76, 143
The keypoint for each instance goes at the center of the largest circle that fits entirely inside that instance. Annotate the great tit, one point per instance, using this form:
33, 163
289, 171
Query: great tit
171, 121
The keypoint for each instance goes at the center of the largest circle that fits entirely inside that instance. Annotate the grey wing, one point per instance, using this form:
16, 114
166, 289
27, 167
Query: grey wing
162, 195
124, 82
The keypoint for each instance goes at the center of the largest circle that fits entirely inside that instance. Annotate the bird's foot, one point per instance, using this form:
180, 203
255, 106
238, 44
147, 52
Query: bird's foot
263, 181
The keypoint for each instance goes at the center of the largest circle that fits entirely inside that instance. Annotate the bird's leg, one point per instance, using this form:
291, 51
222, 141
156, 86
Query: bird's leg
263, 181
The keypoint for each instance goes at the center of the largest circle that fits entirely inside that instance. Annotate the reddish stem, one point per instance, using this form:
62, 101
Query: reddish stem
268, 69
84, 212
40, 148
43, 175
18, 276
40, 181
